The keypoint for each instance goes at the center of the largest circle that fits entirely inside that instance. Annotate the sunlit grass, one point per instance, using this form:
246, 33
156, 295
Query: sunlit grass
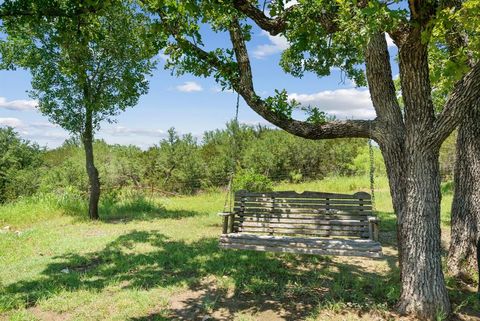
147, 250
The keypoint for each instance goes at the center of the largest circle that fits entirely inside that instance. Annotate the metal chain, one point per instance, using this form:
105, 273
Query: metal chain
230, 196
372, 169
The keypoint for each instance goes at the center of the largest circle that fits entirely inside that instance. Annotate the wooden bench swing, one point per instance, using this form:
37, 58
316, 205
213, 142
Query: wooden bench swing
302, 223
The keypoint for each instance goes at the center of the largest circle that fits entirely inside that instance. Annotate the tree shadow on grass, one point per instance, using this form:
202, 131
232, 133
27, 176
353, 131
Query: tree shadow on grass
295, 285
131, 209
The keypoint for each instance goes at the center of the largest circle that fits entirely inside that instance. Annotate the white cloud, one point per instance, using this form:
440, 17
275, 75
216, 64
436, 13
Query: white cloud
21, 104
44, 133
43, 125
390, 42
290, 3
55, 137
342, 103
257, 123
124, 131
11, 122
189, 86
277, 44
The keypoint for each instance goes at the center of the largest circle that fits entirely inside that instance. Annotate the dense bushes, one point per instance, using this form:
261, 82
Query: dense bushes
183, 164
18, 160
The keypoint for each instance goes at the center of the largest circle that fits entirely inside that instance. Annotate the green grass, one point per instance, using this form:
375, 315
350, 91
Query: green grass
158, 258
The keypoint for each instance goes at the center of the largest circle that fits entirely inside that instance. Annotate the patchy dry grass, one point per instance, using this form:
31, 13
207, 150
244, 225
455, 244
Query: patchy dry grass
158, 259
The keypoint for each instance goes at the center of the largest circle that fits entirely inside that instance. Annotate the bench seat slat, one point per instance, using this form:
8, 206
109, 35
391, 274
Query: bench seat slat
301, 250
246, 225
324, 247
319, 240
301, 232
313, 242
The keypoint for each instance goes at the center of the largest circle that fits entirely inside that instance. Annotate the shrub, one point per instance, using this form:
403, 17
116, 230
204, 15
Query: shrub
19, 162
253, 182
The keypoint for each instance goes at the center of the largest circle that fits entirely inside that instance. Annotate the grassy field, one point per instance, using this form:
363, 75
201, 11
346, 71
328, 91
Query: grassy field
158, 259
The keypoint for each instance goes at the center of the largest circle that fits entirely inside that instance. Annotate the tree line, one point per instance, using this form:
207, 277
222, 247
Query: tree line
180, 164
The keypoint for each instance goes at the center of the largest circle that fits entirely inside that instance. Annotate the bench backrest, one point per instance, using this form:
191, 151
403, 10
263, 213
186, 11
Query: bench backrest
307, 213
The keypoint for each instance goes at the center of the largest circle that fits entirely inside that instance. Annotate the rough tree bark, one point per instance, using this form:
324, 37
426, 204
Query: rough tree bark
423, 290
94, 181
465, 225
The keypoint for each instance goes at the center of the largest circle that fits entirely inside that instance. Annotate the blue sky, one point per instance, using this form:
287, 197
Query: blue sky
190, 104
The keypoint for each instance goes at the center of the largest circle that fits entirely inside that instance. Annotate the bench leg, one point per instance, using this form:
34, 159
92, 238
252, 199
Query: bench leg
373, 230
225, 225
230, 223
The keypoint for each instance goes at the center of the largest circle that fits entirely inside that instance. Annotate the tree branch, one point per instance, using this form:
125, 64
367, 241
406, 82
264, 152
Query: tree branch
334, 129
273, 25
466, 94
277, 25
380, 81
241, 81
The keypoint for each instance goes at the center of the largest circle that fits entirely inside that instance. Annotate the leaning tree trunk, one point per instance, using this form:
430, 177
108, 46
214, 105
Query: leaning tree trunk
91, 169
465, 225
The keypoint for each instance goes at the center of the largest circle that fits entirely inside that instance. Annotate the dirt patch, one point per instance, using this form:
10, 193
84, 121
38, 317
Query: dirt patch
48, 315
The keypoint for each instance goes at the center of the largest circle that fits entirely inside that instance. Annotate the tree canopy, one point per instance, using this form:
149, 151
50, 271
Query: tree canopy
97, 62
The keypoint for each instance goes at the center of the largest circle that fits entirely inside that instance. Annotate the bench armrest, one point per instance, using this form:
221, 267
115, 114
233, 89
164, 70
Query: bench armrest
226, 214
228, 218
373, 227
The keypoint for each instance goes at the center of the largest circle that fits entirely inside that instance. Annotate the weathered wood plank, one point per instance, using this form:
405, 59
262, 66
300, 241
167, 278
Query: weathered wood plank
304, 242
303, 201
301, 250
267, 224
301, 231
302, 211
298, 238
306, 194
313, 220
309, 216
355, 208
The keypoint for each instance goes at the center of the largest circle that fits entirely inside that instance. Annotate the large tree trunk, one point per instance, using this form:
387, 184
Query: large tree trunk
423, 291
91, 169
465, 225
413, 173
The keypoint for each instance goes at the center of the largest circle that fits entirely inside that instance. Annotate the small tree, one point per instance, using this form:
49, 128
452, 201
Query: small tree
86, 67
